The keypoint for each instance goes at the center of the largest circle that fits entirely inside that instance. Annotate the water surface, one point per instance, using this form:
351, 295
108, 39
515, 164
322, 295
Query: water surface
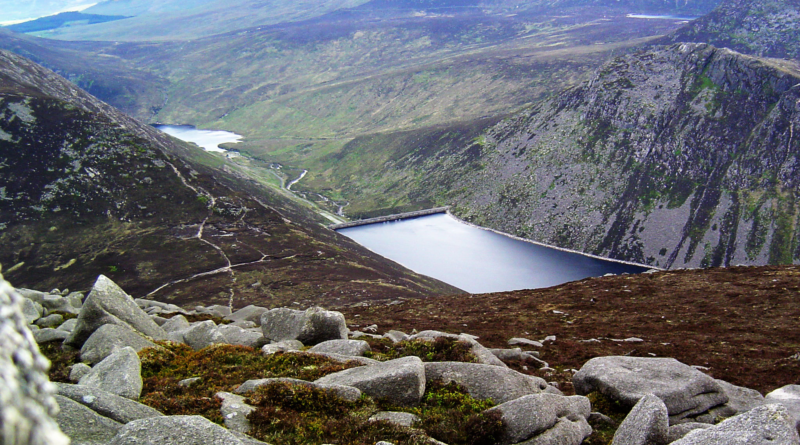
477, 260
663, 17
208, 140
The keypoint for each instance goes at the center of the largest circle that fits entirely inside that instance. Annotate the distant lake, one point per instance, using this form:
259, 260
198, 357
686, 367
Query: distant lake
476, 260
209, 140
664, 17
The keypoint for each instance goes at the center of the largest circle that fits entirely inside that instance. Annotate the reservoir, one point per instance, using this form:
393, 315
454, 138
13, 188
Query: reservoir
659, 17
477, 260
208, 140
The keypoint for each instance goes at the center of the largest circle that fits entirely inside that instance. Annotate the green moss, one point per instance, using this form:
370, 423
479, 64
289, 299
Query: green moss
61, 361
449, 414
602, 432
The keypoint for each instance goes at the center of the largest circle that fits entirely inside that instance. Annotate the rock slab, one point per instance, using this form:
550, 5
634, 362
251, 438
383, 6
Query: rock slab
767, 424
120, 373
110, 405
545, 415
110, 337
485, 381
108, 304
27, 405
684, 390
646, 424
401, 381
174, 430
312, 326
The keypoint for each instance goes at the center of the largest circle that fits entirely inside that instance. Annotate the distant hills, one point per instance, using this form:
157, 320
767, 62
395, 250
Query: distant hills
62, 19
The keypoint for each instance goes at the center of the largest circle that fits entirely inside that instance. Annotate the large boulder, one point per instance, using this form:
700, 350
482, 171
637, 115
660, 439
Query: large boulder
108, 304
247, 313
740, 400
107, 404
68, 325
176, 323
51, 321
400, 381
49, 334
531, 416
766, 424
680, 430
486, 381
110, 337
343, 347
684, 390
174, 430
788, 396
31, 310
27, 405
311, 326
646, 424
202, 334
120, 373
57, 303
234, 335
84, 426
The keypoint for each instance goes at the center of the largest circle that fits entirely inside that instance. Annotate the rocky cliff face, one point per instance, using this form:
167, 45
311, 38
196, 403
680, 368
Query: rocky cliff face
769, 28
84, 190
676, 156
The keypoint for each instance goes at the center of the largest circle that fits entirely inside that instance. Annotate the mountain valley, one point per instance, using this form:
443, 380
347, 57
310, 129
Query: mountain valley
87, 190
174, 295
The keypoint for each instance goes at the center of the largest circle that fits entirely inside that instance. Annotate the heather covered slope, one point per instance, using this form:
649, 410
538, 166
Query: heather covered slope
87, 190
675, 156
738, 323
114, 80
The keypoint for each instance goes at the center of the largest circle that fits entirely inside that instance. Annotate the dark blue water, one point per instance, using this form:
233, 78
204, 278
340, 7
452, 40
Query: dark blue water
476, 260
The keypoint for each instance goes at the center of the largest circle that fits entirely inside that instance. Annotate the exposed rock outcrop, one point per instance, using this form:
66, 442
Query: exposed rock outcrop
27, 405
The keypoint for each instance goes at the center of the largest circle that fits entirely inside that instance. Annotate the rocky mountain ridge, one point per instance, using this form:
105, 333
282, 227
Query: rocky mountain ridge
87, 190
768, 28
675, 156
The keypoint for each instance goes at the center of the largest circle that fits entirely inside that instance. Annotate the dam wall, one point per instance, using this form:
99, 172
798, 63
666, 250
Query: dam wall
380, 219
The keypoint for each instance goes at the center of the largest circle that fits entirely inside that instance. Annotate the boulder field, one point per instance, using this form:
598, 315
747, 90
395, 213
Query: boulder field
666, 401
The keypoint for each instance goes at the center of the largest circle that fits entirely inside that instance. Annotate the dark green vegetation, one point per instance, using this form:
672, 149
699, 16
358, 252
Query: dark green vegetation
63, 19
769, 28
85, 190
675, 156
294, 414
